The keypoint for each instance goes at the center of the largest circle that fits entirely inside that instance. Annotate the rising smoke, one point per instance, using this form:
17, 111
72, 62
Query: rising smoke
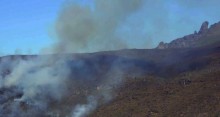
39, 82
93, 28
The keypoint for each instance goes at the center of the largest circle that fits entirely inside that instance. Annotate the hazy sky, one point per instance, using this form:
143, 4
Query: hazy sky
27, 26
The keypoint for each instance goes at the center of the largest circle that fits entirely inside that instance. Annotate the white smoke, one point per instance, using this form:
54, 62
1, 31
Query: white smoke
39, 73
40, 79
84, 109
45, 79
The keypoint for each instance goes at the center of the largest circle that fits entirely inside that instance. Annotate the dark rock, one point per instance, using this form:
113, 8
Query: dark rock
192, 40
162, 45
195, 32
204, 28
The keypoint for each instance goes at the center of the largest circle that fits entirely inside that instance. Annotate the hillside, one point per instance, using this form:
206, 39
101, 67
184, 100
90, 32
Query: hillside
189, 94
155, 83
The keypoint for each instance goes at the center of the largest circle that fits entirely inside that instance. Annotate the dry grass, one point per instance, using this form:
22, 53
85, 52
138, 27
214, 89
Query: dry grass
153, 97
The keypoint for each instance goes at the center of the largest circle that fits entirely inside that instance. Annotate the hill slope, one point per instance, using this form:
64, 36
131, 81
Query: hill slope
155, 83
190, 94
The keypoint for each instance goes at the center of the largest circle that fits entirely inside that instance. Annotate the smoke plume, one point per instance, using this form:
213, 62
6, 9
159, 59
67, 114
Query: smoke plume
93, 28
39, 86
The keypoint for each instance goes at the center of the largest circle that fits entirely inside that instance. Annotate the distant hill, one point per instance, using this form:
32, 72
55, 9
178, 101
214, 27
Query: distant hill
204, 37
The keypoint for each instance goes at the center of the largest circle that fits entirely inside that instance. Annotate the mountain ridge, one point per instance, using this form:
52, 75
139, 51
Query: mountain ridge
205, 36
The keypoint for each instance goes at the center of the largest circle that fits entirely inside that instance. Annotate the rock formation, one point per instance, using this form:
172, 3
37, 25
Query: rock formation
192, 40
204, 28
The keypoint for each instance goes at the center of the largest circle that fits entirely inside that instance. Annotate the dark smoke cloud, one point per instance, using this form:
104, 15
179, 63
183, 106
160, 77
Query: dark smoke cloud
86, 29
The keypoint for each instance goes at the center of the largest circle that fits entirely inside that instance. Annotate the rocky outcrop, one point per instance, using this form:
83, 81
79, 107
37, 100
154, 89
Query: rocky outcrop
204, 28
162, 45
190, 41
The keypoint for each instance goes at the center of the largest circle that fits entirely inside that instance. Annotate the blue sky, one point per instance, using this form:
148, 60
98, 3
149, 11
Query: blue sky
26, 26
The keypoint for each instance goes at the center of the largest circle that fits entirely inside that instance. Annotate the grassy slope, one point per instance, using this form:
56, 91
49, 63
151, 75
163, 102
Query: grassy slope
152, 97
147, 97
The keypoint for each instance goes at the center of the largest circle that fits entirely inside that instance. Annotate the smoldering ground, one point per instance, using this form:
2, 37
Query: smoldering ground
70, 85
64, 85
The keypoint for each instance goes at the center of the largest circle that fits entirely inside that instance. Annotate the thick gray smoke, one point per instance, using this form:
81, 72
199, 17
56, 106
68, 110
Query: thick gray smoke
30, 86
93, 28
